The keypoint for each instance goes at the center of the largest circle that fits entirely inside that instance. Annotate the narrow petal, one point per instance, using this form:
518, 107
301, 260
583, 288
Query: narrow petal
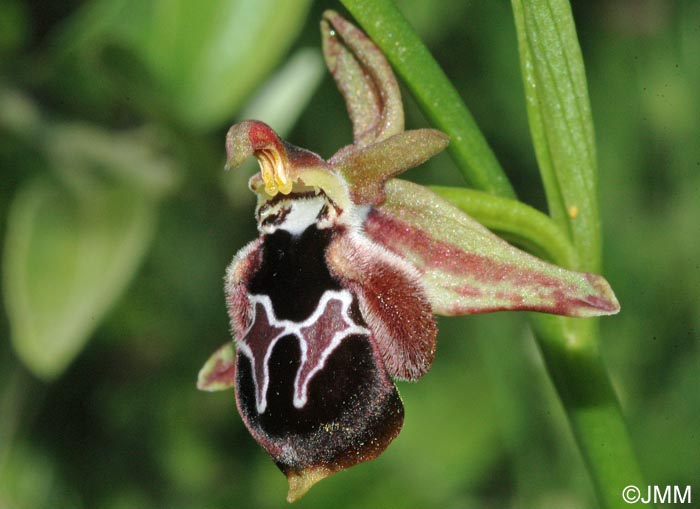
392, 302
367, 169
365, 79
467, 269
219, 372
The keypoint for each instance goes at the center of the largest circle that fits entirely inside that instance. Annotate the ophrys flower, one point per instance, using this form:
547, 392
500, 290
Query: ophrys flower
336, 297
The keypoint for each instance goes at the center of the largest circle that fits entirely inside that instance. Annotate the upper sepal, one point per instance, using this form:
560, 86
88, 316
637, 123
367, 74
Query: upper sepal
467, 269
365, 79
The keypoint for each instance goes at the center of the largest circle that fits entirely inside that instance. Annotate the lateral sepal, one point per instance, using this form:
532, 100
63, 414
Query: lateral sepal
466, 269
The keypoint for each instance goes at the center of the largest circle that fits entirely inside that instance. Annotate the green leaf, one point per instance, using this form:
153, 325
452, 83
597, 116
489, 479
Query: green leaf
67, 258
560, 120
204, 58
194, 62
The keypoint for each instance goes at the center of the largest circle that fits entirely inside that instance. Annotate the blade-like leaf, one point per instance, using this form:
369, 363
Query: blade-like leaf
560, 120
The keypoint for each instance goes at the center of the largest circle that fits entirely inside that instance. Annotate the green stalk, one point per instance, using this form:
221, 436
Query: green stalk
562, 130
570, 347
563, 136
435, 94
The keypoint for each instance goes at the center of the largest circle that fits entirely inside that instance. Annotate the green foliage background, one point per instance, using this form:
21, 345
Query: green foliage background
118, 222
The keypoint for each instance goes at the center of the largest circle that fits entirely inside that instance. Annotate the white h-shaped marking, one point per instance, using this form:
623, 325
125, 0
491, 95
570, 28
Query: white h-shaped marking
295, 328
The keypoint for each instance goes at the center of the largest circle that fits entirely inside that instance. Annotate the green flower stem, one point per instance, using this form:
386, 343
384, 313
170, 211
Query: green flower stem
591, 405
563, 137
562, 132
436, 96
517, 222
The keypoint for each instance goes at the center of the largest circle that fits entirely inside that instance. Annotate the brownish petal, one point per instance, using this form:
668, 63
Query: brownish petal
219, 372
367, 169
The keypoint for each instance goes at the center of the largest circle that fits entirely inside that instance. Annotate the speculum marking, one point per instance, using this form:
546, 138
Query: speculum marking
319, 335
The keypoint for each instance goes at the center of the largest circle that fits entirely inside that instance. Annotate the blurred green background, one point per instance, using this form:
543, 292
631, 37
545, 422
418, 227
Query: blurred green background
118, 222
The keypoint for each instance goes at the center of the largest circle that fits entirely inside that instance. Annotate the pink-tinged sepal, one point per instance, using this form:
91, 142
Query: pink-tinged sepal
219, 372
365, 79
467, 269
392, 302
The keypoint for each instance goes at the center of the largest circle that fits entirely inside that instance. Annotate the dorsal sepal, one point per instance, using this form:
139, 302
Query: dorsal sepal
365, 79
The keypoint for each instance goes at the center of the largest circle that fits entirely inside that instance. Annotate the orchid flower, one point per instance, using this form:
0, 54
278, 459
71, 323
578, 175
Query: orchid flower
335, 299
